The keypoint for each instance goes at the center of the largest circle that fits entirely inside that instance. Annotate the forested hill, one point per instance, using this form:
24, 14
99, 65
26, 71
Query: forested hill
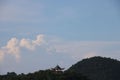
44, 75
94, 68
98, 68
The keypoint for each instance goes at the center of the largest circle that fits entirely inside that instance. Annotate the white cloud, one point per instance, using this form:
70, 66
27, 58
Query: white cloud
14, 46
76, 49
31, 44
27, 44
39, 40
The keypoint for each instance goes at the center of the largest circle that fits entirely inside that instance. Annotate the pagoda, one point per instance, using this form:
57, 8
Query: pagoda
57, 69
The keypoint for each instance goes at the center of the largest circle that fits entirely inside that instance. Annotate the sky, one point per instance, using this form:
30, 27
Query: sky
40, 34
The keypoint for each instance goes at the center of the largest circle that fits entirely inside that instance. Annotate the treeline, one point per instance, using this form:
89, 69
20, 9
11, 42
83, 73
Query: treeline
98, 68
44, 75
94, 68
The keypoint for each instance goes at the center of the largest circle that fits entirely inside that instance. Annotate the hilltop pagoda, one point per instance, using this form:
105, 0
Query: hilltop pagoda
57, 69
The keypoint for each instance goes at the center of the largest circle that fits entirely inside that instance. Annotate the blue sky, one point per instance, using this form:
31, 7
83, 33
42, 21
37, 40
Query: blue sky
39, 34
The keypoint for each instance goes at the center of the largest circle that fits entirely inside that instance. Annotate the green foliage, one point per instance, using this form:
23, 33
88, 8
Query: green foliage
44, 75
95, 68
98, 68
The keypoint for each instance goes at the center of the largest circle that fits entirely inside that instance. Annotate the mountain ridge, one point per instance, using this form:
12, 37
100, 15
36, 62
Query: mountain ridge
98, 68
93, 68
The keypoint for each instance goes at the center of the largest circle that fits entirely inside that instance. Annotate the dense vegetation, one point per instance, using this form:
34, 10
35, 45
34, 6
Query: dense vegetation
98, 68
44, 75
94, 68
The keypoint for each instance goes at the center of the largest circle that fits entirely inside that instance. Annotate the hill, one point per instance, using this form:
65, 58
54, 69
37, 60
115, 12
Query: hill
94, 68
98, 68
44, 75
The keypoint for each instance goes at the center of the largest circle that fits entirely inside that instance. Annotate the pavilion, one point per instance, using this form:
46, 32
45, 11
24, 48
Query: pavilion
57, 69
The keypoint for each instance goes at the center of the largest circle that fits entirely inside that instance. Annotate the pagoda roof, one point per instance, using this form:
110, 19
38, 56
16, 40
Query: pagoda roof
58, 67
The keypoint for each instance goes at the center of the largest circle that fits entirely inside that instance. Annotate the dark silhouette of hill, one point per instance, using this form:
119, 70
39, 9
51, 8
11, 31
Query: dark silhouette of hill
98, 68
94, 68
44, 75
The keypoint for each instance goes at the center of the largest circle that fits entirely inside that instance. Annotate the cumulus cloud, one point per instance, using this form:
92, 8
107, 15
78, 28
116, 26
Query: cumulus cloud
75, 49
39, 40
27, 44
13, 46
31, 44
